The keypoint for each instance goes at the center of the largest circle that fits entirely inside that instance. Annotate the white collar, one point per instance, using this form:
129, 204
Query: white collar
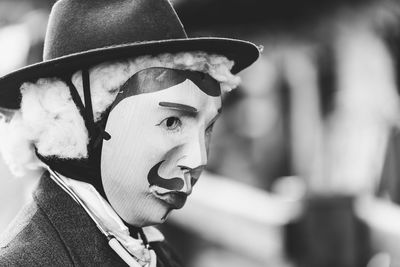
110, 224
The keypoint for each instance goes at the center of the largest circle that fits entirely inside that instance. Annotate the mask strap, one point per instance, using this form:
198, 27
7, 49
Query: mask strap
96, 131
75, 95
88, 102
85, 110
87, 170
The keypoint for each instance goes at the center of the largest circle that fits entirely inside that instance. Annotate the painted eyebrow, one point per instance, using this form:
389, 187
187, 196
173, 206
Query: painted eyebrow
178, 106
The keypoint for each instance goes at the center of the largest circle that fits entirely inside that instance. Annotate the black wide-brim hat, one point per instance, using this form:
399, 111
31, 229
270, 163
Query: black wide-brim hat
83, 33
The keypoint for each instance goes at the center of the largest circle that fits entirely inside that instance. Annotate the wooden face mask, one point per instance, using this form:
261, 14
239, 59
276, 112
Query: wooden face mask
160, 126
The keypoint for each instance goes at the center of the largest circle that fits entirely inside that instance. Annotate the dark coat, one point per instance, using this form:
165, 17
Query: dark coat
54, 230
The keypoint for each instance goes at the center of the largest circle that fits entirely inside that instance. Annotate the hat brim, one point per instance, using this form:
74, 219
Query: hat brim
241, 52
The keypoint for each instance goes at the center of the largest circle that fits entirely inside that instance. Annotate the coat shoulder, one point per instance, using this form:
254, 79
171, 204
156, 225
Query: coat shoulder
31, 240
166, 255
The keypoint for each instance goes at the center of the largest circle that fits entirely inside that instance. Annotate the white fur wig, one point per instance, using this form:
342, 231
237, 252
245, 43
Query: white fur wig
50, 121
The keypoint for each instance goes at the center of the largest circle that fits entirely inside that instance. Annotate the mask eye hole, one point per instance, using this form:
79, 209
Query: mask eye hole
171, 123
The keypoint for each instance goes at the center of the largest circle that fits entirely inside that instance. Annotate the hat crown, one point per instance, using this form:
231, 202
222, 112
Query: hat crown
81, 25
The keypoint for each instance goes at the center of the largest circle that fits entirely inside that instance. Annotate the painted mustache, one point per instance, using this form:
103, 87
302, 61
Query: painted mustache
175, 183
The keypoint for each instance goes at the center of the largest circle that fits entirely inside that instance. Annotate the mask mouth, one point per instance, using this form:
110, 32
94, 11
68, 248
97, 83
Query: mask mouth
174, 199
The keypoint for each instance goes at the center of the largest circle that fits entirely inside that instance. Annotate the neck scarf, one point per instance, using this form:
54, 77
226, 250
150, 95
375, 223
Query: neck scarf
133, 251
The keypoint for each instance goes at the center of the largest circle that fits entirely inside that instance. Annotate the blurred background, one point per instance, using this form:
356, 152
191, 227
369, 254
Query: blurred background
304, 166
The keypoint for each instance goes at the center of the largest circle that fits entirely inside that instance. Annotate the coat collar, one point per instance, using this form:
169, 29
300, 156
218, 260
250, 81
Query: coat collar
83, 241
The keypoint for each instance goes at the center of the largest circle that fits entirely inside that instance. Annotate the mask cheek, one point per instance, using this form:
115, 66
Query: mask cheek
127, 190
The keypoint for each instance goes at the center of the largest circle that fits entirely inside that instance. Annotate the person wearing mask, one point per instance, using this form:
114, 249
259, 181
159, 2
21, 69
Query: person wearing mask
119, 116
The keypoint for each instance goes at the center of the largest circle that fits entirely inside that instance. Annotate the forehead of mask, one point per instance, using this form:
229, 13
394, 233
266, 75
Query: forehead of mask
138, 141
156, 79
